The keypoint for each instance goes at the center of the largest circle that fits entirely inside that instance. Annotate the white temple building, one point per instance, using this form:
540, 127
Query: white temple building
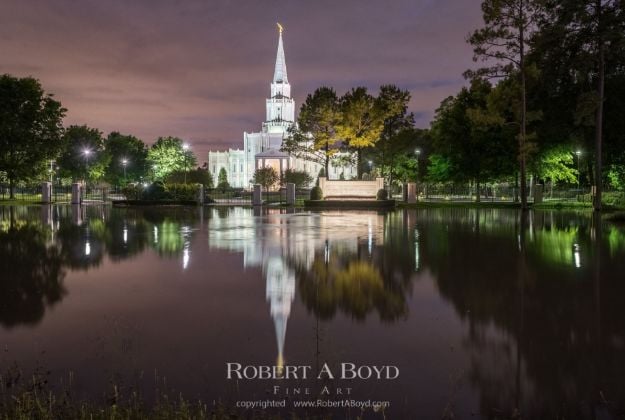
262, 149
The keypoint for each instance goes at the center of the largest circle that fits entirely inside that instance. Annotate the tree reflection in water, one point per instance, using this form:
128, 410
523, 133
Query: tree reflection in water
32, 272
546, 329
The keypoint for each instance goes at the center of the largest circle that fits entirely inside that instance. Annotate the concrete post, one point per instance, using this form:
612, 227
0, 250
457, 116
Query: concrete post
105, 194
46, 192
290, 194
411, 193
538, 194
76, 193
200, 194
257, 195
322, 185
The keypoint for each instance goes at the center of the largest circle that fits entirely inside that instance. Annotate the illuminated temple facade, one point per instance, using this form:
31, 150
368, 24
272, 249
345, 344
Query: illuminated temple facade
262, 149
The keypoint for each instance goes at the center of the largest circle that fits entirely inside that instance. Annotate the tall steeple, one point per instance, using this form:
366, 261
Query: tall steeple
280, 105
279, 74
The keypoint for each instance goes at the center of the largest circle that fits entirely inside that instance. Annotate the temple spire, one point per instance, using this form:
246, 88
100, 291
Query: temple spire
279, 74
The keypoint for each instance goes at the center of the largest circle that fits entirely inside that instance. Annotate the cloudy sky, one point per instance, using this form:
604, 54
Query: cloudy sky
200, 69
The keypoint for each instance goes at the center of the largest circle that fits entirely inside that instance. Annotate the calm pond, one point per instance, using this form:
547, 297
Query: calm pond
481, 311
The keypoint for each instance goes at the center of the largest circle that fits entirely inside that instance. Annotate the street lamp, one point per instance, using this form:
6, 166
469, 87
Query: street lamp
578, 153
124, 164
86, 153
417, 152
185, 147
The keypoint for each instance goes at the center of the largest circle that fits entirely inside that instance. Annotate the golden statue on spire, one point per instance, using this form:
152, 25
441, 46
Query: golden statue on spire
280, 27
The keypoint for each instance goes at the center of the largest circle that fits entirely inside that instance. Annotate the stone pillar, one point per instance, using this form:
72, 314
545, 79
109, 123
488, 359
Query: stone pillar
379, 182
290, 194
46, 192
322, 184
411, 192
538, 194
105, 194
76, 193
200, 194
257, 195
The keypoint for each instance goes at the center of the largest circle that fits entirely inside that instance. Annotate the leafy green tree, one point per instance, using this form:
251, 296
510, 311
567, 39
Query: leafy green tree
439, 169
222, 180
503, 43
267, 177
85, 156
396, 139
465, 133
315, 137
168, 155
195, 176
30, 128
301, 179
361, 124
556, 165
128, 158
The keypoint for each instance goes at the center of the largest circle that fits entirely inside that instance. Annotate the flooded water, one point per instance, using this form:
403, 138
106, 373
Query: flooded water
483, 312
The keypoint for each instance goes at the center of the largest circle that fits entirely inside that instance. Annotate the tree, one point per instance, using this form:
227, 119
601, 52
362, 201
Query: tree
168, 155
196, 176
222, 180
504, 40
467, 135
84, 156
301, 179
267, 177
30, 128
393, 105
314, 138
593, 33
556, 165
361, 123
128, 158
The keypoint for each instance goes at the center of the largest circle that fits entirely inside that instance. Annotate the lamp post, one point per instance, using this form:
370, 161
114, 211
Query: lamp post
578, 153
417, 152
86, 153
185, 147
124, 164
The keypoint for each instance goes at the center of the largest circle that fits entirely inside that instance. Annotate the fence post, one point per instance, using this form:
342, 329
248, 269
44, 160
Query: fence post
200, 194
46, 192
290, 194
76, 193
257, 196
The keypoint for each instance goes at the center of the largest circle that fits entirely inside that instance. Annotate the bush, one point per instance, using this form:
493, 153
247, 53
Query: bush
155, 191
132, 192
182, 191
316, 193
382, 194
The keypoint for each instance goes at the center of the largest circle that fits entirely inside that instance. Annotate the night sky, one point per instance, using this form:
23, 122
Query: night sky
200, 69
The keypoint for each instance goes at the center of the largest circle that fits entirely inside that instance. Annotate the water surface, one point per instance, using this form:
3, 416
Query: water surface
484, 312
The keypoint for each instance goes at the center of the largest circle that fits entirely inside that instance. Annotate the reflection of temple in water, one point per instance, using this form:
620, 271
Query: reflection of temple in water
282, 239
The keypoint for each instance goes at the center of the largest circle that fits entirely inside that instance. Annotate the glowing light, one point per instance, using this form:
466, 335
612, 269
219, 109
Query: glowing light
185, 146
87, 248
86, 152
155, 234
280, 27
125, 234
577, 256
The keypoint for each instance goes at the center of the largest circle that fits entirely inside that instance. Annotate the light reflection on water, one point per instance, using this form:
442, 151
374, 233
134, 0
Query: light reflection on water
482, 310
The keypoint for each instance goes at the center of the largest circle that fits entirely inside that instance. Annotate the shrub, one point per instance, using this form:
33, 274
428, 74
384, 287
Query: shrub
316, 193
132, 192
155, 191
182, 191
382, 194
